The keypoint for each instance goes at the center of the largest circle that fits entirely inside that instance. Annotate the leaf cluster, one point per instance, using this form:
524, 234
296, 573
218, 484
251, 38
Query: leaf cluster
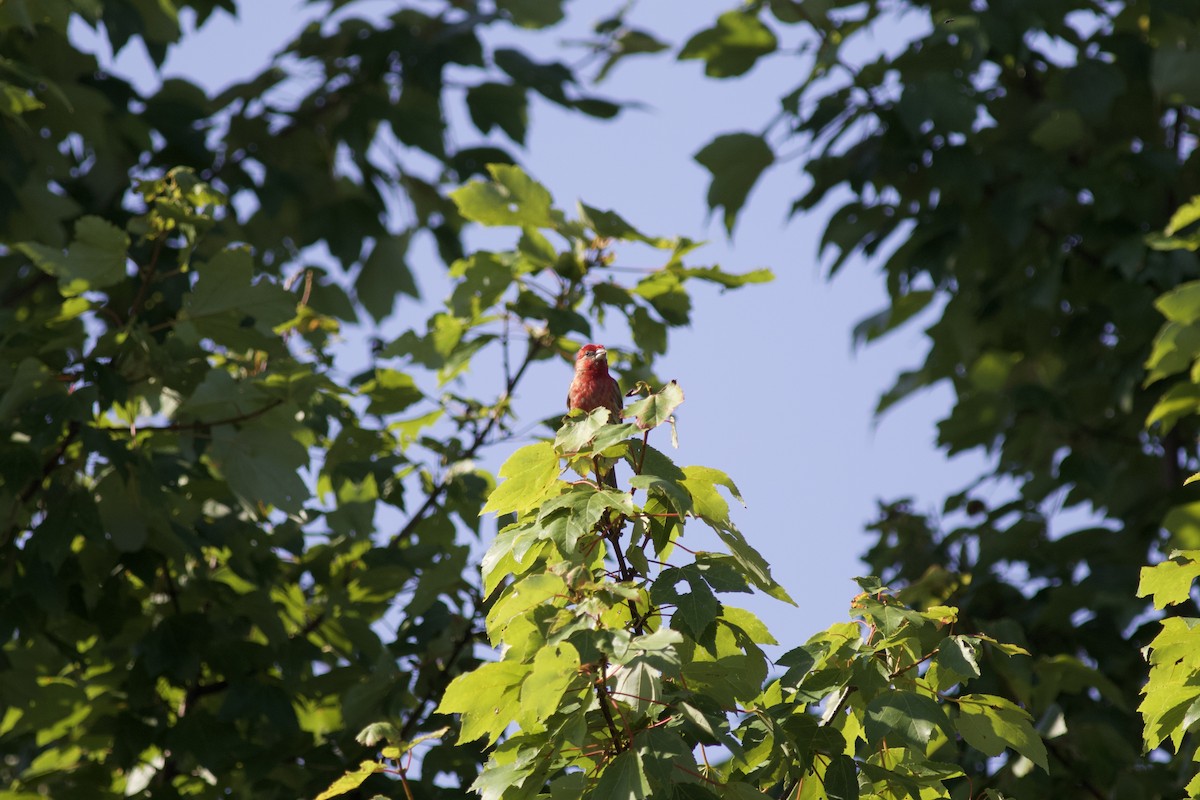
1003, 168
220, 551
1170, 705
621, 665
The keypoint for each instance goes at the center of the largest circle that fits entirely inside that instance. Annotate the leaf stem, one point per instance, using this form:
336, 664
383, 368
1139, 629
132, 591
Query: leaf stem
901, 670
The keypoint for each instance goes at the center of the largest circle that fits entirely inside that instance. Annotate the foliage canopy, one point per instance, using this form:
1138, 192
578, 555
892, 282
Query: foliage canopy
197, 596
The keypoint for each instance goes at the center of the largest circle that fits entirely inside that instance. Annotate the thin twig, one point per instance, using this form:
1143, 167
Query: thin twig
435, 494
48, 468
439, 683
139, 300
187, 426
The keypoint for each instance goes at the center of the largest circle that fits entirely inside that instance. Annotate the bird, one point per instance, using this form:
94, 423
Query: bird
592, 388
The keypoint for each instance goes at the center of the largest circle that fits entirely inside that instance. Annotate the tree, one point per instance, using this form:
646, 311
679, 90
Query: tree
196, 595
1007, 170
613, 681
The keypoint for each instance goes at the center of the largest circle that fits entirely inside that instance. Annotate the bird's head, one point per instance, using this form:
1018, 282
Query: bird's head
591, 355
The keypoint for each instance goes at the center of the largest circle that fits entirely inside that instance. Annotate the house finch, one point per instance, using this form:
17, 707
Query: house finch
594, 388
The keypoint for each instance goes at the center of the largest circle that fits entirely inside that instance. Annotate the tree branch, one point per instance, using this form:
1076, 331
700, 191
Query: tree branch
605, 700
187, 426
48, 468
438, 685
435, 494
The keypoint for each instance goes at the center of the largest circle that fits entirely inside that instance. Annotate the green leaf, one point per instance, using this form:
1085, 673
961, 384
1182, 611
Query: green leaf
732, 46
611, 225
989, 724
663, 639
664, 290
533, 13
1183, 523
1062, 673
579, 434
1061, 130
378, 733
736, 790
227, 307
1184, 216
900, 310
95, 260
502, 105
1175, 349
488, 698
1175, 644
1008, 648
730, 680
532, 476
958, 659
1172, 689
122, 513
351, 780
753, 565
1181, 304
569, 786
656, 409
555, 668
261, 463
1175, 74
903, 719
385, 275
736, 160
535, 247
545, 79
16, 101
701, 483
649, 334
727, 280
1171, 581
510, 198
746, 622
31, 381
697, 607
581, 507
841, 779
1181, 400
525, 594
639, 685
628, 42
513, 773
1166, 707
596, 107
623, 779
390, 391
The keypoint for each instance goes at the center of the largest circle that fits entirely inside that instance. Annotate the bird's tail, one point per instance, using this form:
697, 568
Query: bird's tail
606, 476
610, 477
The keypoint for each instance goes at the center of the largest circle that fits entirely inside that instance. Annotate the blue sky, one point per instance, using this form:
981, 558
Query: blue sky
775, 395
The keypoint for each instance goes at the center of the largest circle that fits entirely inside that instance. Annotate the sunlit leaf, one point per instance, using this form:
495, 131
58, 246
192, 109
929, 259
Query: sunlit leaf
532, 475
351, 780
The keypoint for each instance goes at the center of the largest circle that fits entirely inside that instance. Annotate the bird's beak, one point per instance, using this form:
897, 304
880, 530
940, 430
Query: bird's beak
600, 353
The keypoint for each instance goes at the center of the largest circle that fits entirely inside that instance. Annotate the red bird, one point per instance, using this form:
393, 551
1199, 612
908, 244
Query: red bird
594, 388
